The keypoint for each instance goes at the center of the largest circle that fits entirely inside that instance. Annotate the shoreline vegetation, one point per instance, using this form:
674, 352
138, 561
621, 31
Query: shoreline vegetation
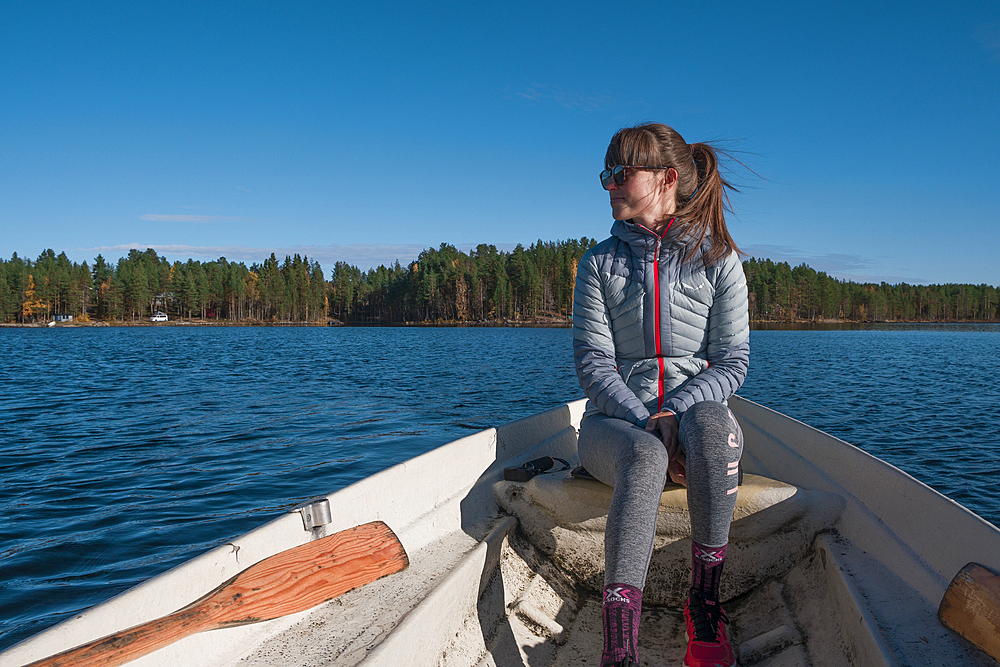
530, 286
553, 324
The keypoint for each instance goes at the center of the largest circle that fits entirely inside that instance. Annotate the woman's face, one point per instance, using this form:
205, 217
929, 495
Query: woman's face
647, 197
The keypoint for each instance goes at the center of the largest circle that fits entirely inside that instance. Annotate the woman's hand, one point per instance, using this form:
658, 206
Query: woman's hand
677, 469
665, 423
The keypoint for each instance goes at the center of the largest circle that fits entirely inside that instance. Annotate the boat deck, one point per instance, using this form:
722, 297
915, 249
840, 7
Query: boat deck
843, 563
502, 600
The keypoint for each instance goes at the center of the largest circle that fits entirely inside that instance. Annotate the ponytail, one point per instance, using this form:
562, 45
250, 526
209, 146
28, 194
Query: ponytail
703, 212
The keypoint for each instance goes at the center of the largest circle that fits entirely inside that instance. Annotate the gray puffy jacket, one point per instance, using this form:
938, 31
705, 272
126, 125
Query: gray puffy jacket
648, 340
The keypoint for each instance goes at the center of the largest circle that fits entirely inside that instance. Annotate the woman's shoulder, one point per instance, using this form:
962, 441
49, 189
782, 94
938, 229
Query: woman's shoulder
727, 271
605, 248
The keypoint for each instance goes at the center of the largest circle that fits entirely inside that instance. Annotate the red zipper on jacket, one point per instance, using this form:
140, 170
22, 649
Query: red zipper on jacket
661, 366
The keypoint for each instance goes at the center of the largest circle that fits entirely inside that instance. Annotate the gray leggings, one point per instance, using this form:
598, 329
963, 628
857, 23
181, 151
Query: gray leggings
634, 461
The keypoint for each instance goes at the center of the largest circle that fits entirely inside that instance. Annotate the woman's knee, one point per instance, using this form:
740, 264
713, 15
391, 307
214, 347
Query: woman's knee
646, 452
615, 448
705, 414
709, 429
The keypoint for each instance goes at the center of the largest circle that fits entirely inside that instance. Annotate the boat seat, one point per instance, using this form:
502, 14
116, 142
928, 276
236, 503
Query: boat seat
774, 526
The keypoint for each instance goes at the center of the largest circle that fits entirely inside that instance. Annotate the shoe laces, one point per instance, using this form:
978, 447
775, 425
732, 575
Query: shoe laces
705, 617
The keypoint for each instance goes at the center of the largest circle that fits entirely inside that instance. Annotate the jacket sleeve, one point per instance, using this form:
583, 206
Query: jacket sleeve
594, 349
728, 351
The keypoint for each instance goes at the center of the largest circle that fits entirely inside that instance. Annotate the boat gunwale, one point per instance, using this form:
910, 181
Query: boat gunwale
874, 519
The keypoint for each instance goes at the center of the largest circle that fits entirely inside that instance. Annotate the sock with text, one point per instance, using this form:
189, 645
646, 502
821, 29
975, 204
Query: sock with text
621, 611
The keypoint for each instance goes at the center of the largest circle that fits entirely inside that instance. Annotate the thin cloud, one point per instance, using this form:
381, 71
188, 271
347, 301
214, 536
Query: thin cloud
156, 217
880, 278
855, 268
365, 256
571, 100
825, 262
988, 35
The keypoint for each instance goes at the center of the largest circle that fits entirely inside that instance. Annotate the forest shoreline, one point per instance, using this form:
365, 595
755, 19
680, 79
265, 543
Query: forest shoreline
546, 323
443, 287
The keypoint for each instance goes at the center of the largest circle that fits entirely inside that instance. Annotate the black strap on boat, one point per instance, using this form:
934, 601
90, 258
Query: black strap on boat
536, 467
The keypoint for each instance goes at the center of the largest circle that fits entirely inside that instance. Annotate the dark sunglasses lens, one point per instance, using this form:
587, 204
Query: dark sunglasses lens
619, 174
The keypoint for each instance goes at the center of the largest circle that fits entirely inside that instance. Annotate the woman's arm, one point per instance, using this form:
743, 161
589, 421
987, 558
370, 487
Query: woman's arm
728, 342
594, 349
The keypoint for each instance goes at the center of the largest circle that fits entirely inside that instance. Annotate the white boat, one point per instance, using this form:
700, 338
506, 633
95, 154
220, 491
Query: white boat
844, 561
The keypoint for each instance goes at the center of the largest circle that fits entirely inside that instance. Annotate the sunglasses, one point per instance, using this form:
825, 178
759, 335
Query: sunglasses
618, 174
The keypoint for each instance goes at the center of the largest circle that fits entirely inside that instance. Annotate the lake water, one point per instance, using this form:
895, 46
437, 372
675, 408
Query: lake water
125, 451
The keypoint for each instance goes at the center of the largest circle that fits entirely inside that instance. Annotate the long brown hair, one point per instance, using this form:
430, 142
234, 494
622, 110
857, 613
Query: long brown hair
702, 200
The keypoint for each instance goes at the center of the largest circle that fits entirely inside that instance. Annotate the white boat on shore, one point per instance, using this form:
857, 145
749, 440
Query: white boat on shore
836, 558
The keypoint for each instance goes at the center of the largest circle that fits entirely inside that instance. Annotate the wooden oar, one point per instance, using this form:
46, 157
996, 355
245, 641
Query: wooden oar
971, 607
288, 582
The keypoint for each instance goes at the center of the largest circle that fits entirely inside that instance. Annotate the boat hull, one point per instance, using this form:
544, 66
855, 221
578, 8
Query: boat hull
480, 591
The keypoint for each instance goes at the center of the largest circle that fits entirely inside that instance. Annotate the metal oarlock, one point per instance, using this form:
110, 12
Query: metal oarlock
315, 514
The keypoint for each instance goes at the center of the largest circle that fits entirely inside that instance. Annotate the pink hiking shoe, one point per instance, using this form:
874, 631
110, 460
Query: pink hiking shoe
708, 643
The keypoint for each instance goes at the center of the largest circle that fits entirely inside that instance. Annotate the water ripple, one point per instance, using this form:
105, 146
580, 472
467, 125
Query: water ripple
124, 452
922, 397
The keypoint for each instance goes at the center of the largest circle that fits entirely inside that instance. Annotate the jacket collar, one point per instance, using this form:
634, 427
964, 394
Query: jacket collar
642, 237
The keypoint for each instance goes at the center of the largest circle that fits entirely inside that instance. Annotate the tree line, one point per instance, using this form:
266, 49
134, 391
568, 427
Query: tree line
136, 286
781, 293
446, 284
443, 284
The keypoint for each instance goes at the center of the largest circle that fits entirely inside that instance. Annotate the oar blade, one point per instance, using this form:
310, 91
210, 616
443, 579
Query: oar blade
971, 607
301, 578
292, 581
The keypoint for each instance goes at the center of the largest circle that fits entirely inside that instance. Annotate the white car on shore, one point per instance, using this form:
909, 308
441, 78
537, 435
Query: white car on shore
158, 316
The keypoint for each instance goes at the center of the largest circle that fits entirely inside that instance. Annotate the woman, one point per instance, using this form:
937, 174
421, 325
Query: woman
661, 340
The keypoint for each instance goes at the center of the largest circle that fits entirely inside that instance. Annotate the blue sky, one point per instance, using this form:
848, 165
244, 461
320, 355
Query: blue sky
367, 132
